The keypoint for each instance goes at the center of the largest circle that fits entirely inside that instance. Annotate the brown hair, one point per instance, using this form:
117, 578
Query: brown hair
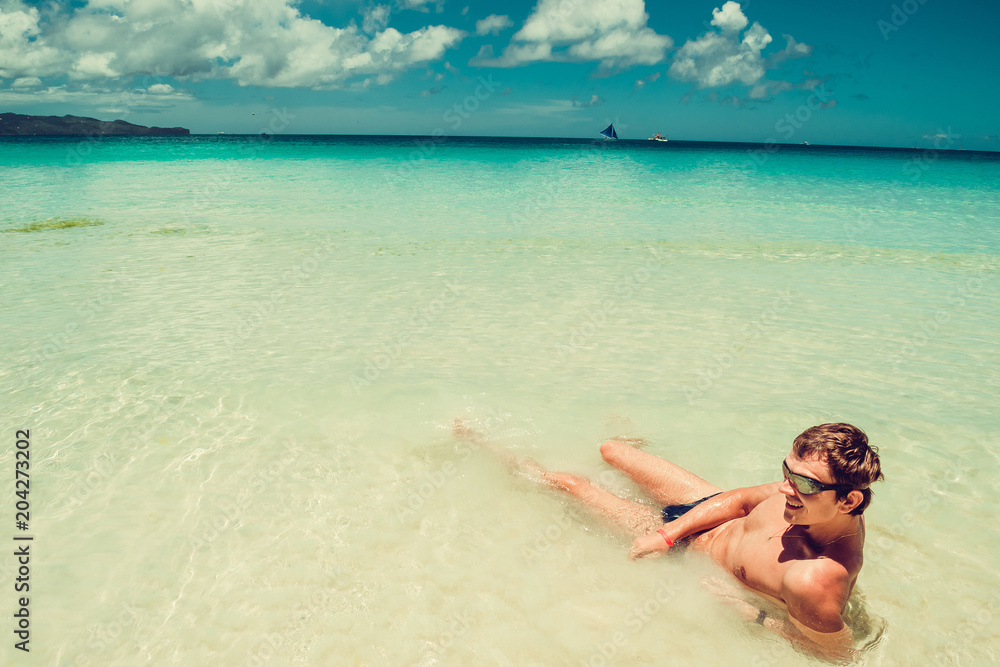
853, 462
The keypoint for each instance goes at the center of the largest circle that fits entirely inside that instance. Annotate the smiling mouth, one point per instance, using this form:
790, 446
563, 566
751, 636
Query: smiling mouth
791, 505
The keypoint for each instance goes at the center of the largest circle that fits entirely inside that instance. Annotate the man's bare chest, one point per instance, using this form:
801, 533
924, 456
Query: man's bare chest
763, 554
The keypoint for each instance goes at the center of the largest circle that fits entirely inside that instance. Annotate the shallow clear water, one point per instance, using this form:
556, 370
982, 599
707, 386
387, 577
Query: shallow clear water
239, 360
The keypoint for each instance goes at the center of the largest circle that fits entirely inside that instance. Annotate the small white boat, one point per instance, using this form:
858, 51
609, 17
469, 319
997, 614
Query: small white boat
658, 137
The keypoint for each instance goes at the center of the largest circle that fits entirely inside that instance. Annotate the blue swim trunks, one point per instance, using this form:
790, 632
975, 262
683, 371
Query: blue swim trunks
672, 512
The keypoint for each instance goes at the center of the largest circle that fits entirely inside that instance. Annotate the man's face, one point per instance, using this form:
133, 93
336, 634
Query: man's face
806, 510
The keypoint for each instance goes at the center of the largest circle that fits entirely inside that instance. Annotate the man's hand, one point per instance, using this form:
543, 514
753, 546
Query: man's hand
651, 545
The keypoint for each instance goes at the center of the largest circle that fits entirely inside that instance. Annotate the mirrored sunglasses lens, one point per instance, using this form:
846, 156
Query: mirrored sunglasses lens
805, 485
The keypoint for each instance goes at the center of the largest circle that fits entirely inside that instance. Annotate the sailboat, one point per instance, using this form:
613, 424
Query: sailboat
609, 132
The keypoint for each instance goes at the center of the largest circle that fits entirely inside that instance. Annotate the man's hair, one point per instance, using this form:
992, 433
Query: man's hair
853, 462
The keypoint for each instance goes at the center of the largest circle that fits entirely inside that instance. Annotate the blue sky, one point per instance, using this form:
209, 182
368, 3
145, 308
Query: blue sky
901, 73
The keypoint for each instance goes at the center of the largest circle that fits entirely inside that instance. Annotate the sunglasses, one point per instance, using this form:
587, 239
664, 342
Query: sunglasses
807, 486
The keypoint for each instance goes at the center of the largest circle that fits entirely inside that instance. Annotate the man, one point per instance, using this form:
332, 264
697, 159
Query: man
797, 542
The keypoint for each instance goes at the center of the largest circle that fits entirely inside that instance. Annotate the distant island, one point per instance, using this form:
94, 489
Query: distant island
12, 124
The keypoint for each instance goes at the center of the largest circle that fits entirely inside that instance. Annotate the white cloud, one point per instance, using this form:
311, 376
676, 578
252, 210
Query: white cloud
764, 89
417, 4
94, 66
730, 18
792, 49
493, 25
536, 110
722, 58
122, 102
375, 19
714, 60
22, 53
756, 38
27, 83
594, 101
160, 89
255, 42
613, 32
641, 83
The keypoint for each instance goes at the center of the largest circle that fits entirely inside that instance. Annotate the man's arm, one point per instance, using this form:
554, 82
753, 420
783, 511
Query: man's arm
829, 645
837, 646
816, 596
715, 511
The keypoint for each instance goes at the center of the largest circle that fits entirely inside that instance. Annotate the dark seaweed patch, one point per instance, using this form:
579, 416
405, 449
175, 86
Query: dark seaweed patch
55, 223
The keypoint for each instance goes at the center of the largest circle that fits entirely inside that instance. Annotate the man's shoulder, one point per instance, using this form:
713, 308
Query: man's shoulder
813, 577
815, 592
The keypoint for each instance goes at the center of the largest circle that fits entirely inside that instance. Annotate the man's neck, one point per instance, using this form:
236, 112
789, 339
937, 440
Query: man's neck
824, 534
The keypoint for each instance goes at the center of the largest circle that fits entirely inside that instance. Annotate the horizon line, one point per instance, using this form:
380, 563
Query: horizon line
444, 138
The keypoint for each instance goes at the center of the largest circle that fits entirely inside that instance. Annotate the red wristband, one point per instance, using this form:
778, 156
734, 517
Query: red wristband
663, 534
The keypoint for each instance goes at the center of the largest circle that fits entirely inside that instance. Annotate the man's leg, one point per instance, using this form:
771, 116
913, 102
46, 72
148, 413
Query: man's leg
666, 482
626, 516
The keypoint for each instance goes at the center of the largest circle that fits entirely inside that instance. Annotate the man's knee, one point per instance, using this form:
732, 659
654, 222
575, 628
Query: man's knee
610, 450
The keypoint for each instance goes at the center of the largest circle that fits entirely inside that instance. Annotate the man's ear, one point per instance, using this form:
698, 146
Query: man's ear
853, 499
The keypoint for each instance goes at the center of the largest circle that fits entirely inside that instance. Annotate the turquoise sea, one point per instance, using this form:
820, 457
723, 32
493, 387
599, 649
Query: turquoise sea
239, 359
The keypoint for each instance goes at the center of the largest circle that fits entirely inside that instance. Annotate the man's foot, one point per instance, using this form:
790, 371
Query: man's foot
518, 465
463, 431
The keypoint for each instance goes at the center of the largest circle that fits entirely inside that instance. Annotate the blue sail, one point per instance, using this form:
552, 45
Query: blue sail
609, 132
